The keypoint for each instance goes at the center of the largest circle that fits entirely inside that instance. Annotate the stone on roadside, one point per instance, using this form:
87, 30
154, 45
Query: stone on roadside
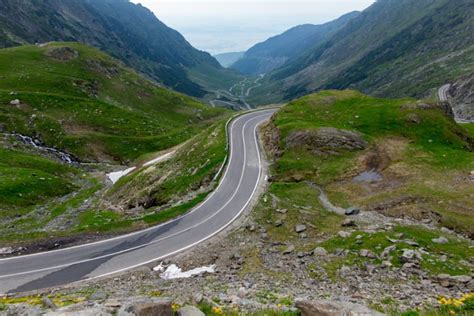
440, 240
289, 250
348, 223
98, 296
7, 251
190, 311
367, 254
407, 255
320, 251
145, 307
343, 234
48, 303
333, 308
352, 211
386, 252
300, 228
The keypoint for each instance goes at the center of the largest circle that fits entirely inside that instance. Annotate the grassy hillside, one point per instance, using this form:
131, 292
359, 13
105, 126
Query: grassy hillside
127, 31
403, 163
421, 155
397, 49
80, 100
76, 205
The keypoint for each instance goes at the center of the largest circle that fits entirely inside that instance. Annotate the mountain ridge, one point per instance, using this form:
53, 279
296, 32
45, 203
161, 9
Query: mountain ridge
127, 31
277, 50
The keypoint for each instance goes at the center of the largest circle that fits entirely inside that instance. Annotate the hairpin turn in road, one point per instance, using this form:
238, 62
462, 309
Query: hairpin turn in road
85, 262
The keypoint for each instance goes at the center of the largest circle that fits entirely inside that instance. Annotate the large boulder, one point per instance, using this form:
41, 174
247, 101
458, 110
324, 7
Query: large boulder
190, 311
147, 307
333, 308
326, 140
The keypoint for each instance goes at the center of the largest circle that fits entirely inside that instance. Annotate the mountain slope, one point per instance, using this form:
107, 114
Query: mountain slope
228, 59
394, 48
78, 99
127, 31
276, 51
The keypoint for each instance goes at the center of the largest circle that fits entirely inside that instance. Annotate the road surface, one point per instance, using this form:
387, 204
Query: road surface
233, 195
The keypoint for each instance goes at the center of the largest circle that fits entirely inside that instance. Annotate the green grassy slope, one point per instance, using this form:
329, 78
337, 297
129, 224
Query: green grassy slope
127, 31
92, 106
423, 156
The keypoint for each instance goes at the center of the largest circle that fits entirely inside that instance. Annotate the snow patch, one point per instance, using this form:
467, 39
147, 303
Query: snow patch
159, 159
174, 272
115, 176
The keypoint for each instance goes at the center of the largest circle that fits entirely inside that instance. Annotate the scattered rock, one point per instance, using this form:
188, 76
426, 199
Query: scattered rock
386, 264
289, 250
6, 251
190, 311
411, 243
15, 102
278, 223
300, 228
326, 140
343, 234
62, 53
333, 308
462, 279
48, 303
440, 240
99, 296
407, 255
320, 251
92, 311
348, 223
367, 254
386, 252
151, 307
282, 211
198, 298
352, 211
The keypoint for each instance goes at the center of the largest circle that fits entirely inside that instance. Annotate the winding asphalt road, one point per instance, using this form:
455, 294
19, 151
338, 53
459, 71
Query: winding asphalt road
233, 195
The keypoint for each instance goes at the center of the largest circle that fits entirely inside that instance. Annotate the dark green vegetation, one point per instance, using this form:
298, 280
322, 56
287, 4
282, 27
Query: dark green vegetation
278, 50
397, 49
27, 180
80, 100
126, 31
423, 157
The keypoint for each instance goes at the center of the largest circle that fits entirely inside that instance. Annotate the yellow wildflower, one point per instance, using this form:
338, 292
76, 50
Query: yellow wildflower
217, 310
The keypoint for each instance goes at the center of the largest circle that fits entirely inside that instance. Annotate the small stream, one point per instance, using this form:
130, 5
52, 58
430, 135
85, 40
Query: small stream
38, 144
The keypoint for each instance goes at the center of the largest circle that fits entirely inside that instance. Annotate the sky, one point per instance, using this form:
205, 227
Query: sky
221, 26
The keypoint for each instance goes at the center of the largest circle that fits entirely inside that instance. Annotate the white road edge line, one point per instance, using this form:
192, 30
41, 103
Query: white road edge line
175, 234
232, 121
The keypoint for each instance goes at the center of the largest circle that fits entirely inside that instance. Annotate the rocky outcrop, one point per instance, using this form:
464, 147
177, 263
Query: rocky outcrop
462, 98
326, 140
62, 53
333, 308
